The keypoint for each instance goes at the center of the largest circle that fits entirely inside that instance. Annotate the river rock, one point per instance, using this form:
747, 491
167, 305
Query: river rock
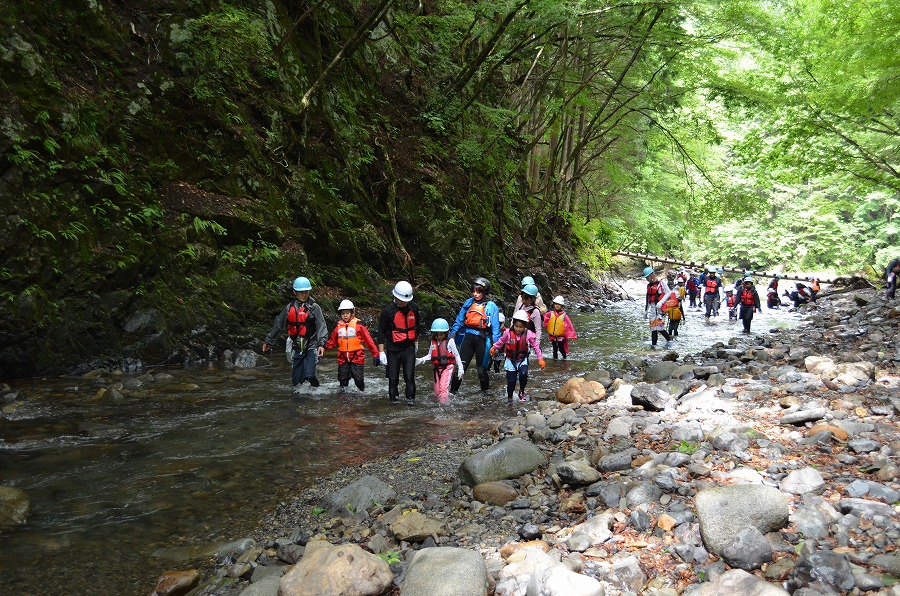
358, 496
651, 398
556, 580
724, 511
577, 473
446, 571
416, 527
510, 458
737, 582
749, 550
176, 583
495, 492
579, 390
338, 570
806, 480
660, 371
14, 506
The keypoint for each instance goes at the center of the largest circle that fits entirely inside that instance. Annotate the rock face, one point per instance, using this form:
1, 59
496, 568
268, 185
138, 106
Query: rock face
509, 458
343, 570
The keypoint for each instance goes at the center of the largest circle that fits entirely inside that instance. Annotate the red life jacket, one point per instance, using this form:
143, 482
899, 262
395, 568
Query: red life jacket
712, 284
747, 298
297, 320
732, 300
654, 292
476, 316
692, 284
516, 347
802, 291
403, 326
440, 354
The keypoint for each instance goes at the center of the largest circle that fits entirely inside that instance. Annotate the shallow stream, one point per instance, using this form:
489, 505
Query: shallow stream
123, 490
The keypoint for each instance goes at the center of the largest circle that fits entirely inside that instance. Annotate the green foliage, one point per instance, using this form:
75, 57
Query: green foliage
390, 557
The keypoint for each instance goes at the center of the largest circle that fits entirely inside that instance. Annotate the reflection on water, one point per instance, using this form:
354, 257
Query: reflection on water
123, 489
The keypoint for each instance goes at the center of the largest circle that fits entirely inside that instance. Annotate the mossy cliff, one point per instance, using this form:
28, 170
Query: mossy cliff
167, 167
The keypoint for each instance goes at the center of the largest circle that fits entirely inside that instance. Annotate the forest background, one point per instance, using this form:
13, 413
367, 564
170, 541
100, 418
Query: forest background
168, 166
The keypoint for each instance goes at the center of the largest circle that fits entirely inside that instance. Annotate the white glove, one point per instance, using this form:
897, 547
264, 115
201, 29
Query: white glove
459, 372
382, 358
422, 360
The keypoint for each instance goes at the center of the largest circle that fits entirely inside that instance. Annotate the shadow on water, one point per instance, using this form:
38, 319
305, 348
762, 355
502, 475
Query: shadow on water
122, 490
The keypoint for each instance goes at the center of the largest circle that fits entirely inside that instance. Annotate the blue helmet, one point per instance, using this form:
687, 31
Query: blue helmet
439, 325
530, 290
301, 284
648, 271
527, 280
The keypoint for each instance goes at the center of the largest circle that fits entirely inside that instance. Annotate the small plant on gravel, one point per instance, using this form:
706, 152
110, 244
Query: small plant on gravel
688, 448
391, 557
318, 510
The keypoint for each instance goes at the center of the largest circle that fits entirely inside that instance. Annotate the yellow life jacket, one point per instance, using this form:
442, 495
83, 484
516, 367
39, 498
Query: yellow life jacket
556, 325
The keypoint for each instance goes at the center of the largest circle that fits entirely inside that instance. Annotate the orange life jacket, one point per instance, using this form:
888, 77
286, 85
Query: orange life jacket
476, 316
815, 285
711, 284
297, 320
556, 325
404, 326
516, 347
440, 354
347, 340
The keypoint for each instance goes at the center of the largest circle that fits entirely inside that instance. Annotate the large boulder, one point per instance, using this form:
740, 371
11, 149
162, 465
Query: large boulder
738, 581
579, 390
446, 571
343, 570
510, 458
724, 511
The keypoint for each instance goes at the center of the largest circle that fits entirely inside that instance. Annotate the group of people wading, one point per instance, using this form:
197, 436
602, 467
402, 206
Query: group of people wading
478, 334
706, 292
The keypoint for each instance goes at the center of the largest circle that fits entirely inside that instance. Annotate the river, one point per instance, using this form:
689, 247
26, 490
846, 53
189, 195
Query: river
123, 490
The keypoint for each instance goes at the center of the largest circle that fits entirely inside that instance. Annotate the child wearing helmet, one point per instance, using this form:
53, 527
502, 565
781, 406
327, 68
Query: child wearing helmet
307, 332
515, 344
657, 289
444, 355
478, 323
538, 299
397, 329
670, 307
350, 337
526, 303
731, 302
559, 328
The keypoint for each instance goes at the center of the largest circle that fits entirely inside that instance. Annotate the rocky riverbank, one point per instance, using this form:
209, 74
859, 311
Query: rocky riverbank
765, 466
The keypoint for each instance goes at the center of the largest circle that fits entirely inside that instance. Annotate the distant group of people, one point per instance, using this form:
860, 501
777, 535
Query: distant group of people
477, 333
706, 291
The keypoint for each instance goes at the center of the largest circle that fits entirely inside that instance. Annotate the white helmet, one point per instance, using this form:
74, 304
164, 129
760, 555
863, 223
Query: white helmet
520, 315
403, 291
501, 318
559, 300
345, 305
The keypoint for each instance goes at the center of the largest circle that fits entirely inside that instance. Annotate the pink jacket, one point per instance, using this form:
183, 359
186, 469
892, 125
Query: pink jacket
530, 338
568, 329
